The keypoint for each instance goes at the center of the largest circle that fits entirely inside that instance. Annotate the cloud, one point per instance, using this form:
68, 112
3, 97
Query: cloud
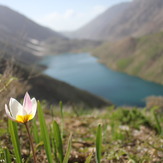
99, 9
55, 16
69, 13
70, 19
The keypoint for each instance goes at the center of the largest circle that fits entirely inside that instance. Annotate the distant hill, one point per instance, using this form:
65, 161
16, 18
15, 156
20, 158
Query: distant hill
131, 19
53, 46
141, 56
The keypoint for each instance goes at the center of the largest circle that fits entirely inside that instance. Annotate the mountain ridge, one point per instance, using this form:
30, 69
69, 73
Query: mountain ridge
15, 23
19, 31
129, 19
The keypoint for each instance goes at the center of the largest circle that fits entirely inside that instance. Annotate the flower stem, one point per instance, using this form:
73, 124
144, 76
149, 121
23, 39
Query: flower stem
31, 142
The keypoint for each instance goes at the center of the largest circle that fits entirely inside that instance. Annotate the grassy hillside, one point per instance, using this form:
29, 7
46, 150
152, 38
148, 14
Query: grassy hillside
141, 57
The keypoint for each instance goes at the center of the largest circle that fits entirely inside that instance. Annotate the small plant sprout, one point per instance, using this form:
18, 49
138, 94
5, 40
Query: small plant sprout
23, 113
98, 143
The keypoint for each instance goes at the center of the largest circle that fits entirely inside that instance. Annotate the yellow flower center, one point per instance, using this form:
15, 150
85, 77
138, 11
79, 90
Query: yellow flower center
24, 118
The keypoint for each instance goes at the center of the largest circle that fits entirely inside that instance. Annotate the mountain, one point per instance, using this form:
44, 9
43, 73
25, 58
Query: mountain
20, 39
27, 36
141, 56
15, 24
130, 19
18, 31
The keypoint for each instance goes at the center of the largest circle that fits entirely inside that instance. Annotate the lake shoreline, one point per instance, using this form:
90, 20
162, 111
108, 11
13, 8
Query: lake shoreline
88, 63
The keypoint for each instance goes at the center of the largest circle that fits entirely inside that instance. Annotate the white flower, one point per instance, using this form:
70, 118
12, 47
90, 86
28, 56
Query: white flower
21, 113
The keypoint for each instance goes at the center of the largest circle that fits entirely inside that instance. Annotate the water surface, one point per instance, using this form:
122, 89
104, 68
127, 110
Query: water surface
85, 72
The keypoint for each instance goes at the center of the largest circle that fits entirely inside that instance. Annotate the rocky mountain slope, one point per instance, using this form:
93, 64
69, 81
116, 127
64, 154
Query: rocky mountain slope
130, 19
17, 25
20, 32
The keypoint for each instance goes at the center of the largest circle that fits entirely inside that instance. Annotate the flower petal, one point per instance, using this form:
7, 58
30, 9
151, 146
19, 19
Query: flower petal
27, 104
34, 106
15, 107
8, 113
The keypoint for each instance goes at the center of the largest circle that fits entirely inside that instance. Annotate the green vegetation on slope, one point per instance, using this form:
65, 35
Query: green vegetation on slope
141, 57
70, 133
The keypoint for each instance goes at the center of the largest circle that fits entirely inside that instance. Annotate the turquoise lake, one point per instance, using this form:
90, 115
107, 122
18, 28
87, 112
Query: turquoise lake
85, 72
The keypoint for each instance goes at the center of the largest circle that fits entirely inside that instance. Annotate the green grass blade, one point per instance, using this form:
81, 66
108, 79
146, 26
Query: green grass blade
54, 148
58, 140
1, 155
62, 117
35, 131
7, 155
68, 151
158, 124
98, 143
44, 134
15, 141
61, 108
88, 159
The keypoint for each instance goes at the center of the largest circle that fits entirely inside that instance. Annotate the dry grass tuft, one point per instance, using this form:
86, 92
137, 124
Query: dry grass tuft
10, 86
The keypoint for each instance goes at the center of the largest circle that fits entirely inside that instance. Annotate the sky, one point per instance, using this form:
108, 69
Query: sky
61, 15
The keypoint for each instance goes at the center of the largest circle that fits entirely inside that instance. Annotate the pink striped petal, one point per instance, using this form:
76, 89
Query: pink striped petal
27, 103
34, 106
